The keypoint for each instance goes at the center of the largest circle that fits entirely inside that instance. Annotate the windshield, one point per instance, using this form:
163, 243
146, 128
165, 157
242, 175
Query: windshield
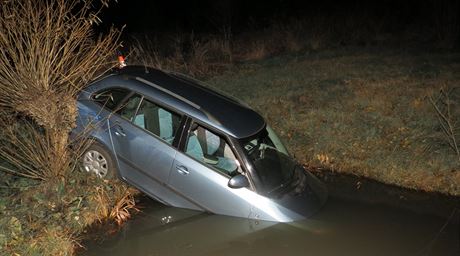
271, 161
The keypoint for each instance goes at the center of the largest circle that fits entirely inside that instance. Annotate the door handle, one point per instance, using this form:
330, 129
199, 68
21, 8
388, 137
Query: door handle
118, 130
182, 170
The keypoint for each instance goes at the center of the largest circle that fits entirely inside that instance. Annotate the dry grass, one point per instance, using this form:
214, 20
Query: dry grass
357, 112
210, 54
113, 202
185, 53
53, 242
49, 219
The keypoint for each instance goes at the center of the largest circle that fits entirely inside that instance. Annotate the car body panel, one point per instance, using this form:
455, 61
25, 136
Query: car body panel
207, 188
143, 157
92, 121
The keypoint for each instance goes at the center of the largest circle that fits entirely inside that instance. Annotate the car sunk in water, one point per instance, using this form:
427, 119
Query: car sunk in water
188, 146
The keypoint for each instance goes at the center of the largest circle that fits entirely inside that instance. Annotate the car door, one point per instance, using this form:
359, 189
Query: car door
202, 171
94, 113
143, 134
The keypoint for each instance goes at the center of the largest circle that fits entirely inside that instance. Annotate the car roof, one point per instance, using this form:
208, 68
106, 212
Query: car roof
217, 110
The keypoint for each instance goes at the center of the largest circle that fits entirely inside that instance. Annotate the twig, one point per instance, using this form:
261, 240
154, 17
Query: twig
445, 120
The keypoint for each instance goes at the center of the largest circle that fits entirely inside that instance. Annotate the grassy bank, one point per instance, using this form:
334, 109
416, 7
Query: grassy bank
365, 112
50, 218
50, 52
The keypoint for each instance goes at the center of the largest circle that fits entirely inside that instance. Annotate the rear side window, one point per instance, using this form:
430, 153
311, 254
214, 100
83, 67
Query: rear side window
158, 120
110, 98
128, 108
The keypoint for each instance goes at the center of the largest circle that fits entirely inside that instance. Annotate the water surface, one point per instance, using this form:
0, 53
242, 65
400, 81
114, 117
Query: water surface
342, 227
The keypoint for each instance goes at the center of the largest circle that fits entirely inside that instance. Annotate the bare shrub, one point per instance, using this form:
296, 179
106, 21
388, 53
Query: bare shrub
145, 54
145, 51
25, 146
256, 51
288, 36
224, 44
49, 53
184, 53
446, 105
198, 62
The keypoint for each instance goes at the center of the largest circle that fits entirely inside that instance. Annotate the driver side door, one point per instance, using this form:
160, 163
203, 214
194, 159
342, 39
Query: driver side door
202, 170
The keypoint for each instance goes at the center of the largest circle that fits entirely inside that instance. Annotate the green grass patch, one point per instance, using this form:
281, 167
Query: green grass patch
360, 112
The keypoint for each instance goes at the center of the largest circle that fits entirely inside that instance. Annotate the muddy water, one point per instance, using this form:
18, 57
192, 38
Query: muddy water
342, 227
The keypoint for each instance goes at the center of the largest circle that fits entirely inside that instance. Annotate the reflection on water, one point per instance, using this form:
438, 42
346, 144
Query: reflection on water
341, 228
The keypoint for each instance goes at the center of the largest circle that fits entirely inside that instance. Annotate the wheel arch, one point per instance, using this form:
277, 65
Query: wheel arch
109, 148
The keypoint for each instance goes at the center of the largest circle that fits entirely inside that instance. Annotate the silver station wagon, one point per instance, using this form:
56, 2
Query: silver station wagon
188, 146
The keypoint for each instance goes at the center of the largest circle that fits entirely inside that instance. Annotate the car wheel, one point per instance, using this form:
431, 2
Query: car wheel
97, 160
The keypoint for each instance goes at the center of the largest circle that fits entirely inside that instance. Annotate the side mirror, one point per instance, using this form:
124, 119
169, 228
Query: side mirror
238, 181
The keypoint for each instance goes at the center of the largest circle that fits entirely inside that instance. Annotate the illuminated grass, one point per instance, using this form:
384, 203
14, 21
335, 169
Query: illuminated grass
357, 112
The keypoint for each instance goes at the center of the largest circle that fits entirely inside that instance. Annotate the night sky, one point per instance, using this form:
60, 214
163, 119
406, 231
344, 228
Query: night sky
210, 16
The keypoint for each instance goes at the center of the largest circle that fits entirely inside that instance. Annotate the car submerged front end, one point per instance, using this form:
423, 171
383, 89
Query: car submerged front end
294, 193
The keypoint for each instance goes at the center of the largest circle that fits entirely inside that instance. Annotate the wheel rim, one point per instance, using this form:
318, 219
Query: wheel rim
95, 162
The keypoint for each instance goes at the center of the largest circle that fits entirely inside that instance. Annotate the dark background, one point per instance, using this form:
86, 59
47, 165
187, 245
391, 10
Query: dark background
207, 16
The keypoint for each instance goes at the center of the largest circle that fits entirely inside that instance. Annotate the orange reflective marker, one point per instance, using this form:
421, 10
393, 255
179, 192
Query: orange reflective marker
121, 61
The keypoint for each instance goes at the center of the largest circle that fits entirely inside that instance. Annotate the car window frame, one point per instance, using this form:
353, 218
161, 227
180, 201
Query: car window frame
177, 134
184, 140
125, 101
117, 106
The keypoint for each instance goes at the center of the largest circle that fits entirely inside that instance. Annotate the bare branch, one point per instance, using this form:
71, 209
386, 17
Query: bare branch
48, 53
443, 108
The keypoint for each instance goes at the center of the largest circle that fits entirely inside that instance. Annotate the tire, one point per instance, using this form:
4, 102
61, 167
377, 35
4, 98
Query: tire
98, 161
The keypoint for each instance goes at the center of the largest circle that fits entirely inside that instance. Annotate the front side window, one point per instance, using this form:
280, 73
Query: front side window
110, 98
157, 120
212, 150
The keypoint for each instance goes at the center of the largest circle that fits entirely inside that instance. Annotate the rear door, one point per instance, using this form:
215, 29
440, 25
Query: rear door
94, 114
144, 135
202, 171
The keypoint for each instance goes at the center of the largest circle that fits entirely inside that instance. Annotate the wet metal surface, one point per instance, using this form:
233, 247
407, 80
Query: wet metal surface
342, 227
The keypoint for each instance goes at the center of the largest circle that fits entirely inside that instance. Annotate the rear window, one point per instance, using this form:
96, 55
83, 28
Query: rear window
110, 98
